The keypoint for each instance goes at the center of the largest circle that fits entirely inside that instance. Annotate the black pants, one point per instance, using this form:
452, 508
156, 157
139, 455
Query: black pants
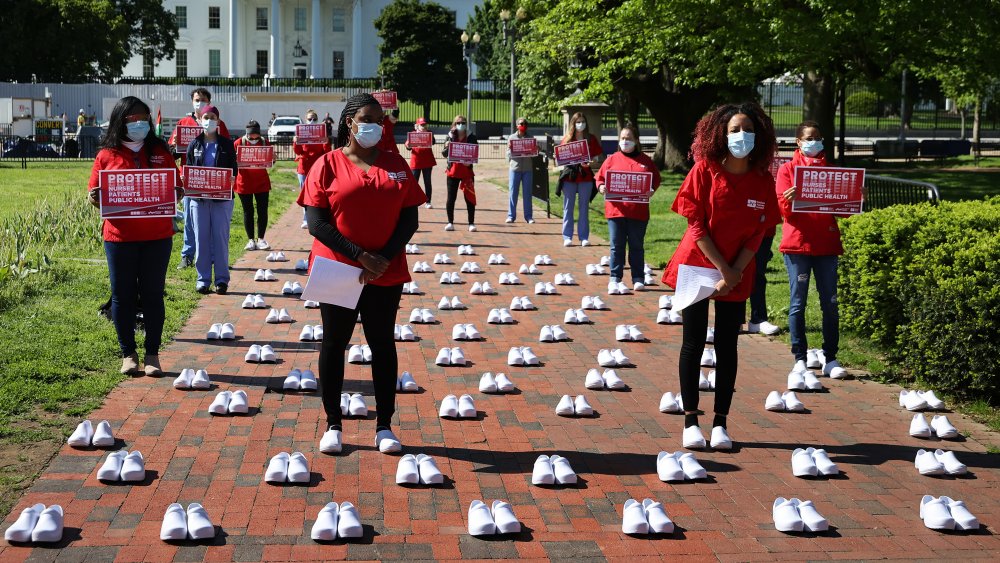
728, 318
378, 306
247, 201
453, 190
758, 297
138, 270
426, 173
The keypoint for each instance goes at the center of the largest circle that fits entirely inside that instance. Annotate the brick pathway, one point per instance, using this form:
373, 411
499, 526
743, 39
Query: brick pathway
219, 462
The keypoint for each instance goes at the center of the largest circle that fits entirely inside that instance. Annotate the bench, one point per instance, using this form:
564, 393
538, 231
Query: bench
884, 191
907, 150
946, 148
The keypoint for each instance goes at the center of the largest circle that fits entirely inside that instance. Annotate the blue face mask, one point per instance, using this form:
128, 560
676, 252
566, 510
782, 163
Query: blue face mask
368, 135
137, 130
811, 148
740, 143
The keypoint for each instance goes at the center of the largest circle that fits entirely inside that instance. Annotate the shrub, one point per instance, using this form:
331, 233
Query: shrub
863, 103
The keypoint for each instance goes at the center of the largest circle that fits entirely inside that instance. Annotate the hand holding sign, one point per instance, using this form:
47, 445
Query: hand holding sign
464, 153
635, 187
208, 182
576, 152
825, 189
137, 194
526, 147
255, 156
311, 134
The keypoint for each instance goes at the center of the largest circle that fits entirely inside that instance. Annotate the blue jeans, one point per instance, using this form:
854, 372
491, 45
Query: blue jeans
302, 181
211, 219
138, 270
187, 248
570, 191
758, 297
825, 269
522, 180
632, 232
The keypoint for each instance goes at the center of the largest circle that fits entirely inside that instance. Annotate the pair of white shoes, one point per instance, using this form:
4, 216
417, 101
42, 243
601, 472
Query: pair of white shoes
649, 279
484, 288
292, 288
420, 469
579, 406
311, 333
593, 303
500, 316
812, 462
692, 438
123, 466
529, 270
453, 304
230, 402
191, 379
496, 260
618, 288
508, 279
647, 517
920, 400
607, 380
260, 354
192, 524
491, 520
275, 256
553, 470
521, 304
86, 435
543, 260
945, 513
424, 316
708, 358
359, 354
353, 405
458, 407
575, 317
545, 288
404, 333
443, 259
264, 274
794, 515
500, 383
337, 521
254, 301
37, 523
300, 380
604, 261
666, 302
565, 279
595, 270
815, 359
670, 403
668, 317
275, 316
411, 288
465, 332
315, 304
406, 383
614, 358
783, 402
765, 328
221, 331
552, 333
804, 380
629, 333
450, 357
522, 356
466, 250
412, 249
679, 466
939, 462
940, 426
422, 268
449, 278
471, 268
706, 383
284, 468
302, 265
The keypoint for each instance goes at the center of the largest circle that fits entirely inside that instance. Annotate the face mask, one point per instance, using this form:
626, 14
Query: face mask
626, 145
522, 128
460, 127
812, 148
252, 140
137, 130
198, 106
740, 143
311, 120
209, 125
581, 125
368, 134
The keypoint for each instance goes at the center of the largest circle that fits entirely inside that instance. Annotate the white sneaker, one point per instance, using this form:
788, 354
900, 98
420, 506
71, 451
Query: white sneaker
803, 464
912, 401
693, 438
325, 526
472, 228
928, 464
387, 442
919, 427
951, 463
721, 439
487, 384
599, 304
568, 242
936, 513
833, 370
634, 519
584, 242
786, 516
449, 227
942, 427
668, 468
668, 404
443, 357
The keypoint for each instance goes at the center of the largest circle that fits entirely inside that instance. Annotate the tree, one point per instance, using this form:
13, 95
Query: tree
421, 52
81, 40
492, 57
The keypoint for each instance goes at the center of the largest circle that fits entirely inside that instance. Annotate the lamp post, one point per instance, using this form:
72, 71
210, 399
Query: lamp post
468, 49
510, 37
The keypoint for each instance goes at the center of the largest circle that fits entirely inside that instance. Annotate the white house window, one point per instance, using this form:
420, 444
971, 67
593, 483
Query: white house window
261, 19
338, 64
300, 19
339, 19
181, 57
214, 62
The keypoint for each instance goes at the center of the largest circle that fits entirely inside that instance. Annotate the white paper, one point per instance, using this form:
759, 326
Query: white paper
334, 283
694, 283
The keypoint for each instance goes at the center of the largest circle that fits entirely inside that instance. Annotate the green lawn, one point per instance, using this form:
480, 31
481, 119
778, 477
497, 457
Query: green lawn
60, 359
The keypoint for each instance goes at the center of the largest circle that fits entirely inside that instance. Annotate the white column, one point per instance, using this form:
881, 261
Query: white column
316, 56
275, 62
356, 40
232, 39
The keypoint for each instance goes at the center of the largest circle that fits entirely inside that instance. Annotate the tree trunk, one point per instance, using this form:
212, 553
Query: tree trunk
619, 104
819, 101
632, 109
976, 120
961, 115
427, 110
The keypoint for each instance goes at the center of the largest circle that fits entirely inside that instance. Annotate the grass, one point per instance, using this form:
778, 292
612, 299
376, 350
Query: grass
65, 360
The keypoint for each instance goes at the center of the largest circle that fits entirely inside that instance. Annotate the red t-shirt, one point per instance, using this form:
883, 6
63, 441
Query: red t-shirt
733, 210
122, 158
622, 162
594, 146
252, 180
421, 158
388, 141
815, 234
190, 121
306, 155
364, 206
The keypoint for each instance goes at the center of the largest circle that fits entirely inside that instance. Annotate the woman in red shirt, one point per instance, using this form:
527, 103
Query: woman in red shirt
578, 179
137, 250
253, 184
422, 160
627, 220
306, 155
729, 202
460, 176
361, 204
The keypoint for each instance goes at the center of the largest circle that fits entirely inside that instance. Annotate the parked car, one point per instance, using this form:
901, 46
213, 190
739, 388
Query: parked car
283, 129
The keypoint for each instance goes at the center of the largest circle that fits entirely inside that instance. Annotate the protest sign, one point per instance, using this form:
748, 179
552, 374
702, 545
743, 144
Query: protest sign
527, 146
464, 153
420, 139
635, 187
138, 194
823, 189
386, 99
208, 182
576, 152
311, 134
255, 156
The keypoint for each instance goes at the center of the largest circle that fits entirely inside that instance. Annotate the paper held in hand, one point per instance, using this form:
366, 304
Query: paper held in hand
420, 139
464, 153
334, 283
138, 194
694, 283
828, 189
311, 133
576, 152
634, 187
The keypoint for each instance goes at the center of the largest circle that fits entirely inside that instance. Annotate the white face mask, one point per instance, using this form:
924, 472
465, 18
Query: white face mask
368, 134
252, 141
209, 125
581, 125
740, 143
626, 145
460, 127
811, 148
198, 106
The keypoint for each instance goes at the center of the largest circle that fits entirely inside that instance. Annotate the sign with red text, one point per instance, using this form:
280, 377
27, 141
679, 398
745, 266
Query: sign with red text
254, 156
824, 189
621, 185
386, 99
138, 194
527, 146
777, 163
208, 182
576, 152
463, 153
186, 134
420, 139
311, 134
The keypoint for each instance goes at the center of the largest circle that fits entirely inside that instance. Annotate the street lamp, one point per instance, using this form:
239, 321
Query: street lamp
509, 37
468, 49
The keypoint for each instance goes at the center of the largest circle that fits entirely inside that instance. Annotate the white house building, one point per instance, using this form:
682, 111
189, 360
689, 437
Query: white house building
282, 38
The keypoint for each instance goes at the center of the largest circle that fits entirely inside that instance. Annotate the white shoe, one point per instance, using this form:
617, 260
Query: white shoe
407, 472
792, 402
449, 407
487, 384
526, 304
634, 334
457, 357
253, 354
428, 470
111, 469
621, 360
666, 302
964, 520
668, 468
250, 245
659, 522
708, 358
481, 521
936, 514
565, 406
449, 227
297, 288
919, 427
611, 380
786, 516
345, 402
443, 357
581, 317
599, 304
606, 359
663, 317
82, 436
306, 335
325, 526
764, 328
951, 463
387, 442
304, 225
298, 468
812, 382
824, 464
593, 380
568, 242
546, 334
692, 469
833, 370
277, 469
928, 464
472, 228
103, 436
720, 439
213, 331
542, 473
271, 318
803, 464
467, 407
248, 302
357, 406
174, 526
540, 288
621, 333
292, 381
523, 269
613, 288
458, 332
812, 520
302, 265
774, 402
530, 359
504, 384
407, 383
668, 403
584, 242
308, 380
942, 427
259, 275
797, 381
199, 527
503, 516
693, 438
315, 304
639, 286
238, 402
634, 518
587, 302
932, 401
649, 279
349, 522
494, 315
268, 275
330, 442
703, 383
355, 354
488, 289
812, 359
514, 357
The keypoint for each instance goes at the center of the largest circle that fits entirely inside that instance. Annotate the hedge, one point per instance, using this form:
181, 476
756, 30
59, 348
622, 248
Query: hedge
923, 282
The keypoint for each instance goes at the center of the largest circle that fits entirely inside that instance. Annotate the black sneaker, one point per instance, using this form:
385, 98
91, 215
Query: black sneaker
221, 288
185, 263
203, 290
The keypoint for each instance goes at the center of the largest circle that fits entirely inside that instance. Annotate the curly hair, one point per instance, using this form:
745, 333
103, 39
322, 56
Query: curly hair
710, 134
353, 106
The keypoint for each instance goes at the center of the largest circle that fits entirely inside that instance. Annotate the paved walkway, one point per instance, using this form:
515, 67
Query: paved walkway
192, 457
